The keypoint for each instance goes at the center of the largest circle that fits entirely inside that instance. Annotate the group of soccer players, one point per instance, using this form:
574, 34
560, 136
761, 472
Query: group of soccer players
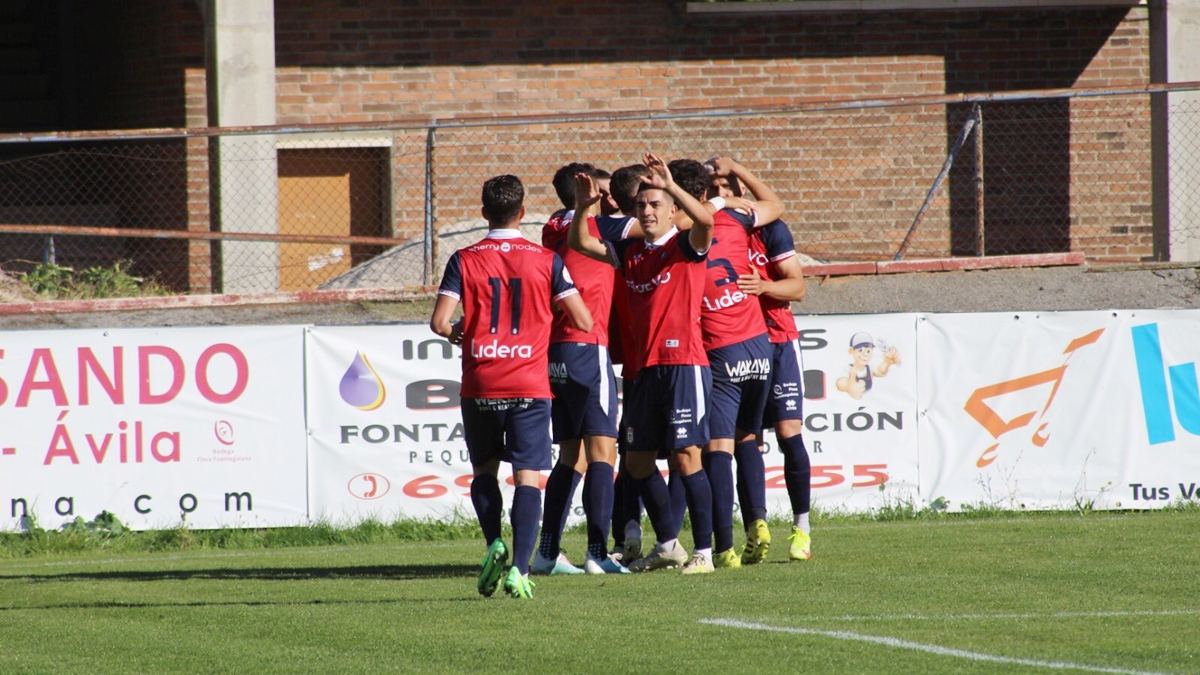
692, 268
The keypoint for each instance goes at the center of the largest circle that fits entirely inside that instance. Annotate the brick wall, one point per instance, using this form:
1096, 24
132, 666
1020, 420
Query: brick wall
853, 180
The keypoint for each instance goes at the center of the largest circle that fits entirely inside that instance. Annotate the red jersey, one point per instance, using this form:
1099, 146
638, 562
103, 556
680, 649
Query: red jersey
728, 315
769, 246
506, 285
593, 278
664, 283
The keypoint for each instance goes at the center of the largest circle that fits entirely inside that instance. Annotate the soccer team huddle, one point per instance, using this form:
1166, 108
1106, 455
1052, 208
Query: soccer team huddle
683, 274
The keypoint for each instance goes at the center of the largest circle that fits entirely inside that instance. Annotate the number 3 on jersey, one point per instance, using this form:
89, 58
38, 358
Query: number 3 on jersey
730, 274
514, 290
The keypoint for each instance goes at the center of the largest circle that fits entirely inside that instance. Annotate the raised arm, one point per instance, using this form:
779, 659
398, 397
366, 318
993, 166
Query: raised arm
769, 206
579, 237
701, 232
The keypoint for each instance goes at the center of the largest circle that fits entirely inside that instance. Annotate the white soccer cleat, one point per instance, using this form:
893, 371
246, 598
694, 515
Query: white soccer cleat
545, 566
661, 557
605, 566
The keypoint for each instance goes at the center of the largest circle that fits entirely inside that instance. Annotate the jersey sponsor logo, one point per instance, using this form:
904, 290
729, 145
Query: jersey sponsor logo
758, 259
725, 301
672, 343
649, 286
748, 369
505, 247
681, 432
495, 350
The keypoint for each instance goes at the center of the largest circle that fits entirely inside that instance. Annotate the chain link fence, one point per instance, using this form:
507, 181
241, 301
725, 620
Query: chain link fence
352, 206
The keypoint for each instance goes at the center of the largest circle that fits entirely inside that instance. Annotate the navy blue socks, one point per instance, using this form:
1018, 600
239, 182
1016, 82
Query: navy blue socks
598, 505
719, 467
488, 502
526, 510
752, 477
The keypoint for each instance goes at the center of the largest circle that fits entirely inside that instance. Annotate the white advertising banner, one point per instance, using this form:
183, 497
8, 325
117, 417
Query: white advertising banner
385, 427
860, 413
199, 426
1060, 410
386, 438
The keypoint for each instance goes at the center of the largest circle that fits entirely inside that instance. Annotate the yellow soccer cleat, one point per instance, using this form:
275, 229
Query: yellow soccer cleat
758, 542
728, 559
801, 548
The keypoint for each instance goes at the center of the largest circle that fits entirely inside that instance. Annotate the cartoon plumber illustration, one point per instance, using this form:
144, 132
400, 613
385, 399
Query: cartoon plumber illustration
859, 379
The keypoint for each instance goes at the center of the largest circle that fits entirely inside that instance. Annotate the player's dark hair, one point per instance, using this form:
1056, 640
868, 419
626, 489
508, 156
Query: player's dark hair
564, 181
643, 187
624, 185
503, 197
600, 174
691, 175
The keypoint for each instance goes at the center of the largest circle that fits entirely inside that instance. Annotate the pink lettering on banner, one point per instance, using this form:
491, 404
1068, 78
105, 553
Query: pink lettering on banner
164, 446
42, 359
145, 396
243, 373
42, 380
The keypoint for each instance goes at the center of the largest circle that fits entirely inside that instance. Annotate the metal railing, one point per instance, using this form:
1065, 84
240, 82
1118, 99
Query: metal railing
357, 205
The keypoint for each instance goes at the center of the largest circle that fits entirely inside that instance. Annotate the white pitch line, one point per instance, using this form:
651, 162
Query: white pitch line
929, 649
1028, 615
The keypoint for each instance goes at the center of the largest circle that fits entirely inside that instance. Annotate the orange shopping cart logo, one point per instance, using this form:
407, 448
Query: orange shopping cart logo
995, 423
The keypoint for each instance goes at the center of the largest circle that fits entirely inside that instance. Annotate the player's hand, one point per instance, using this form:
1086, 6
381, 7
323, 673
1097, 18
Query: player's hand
738, 204
586, 192
660, 175
722, 166
751, 284
456, 333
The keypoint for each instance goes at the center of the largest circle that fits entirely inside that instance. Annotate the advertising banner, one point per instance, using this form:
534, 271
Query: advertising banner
385, 427
1060, 410
161, 427
386, 440
860, 413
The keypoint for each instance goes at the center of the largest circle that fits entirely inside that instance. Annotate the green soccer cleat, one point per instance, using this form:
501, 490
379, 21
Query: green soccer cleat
727, 559
758, 542
493, 568
518, 585
801, 548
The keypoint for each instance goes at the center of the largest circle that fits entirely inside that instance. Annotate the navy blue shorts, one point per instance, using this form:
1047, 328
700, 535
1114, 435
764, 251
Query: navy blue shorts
585, 391
668, 408
787, 384
741, 374
514, 430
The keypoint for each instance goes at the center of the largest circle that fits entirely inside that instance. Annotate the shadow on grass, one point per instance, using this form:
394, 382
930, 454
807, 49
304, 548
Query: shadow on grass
384, 572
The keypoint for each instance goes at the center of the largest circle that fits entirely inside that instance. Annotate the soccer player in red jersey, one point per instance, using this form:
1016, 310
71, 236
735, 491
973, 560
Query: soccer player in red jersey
627, 508
778, 280
506, 285
736, 340
584, 409
664, 282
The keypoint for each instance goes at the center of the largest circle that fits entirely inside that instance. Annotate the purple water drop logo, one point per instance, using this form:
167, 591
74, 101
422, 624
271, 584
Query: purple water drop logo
361, 386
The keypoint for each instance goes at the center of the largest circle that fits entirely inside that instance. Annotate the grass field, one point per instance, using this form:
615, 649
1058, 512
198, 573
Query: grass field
1103, 593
